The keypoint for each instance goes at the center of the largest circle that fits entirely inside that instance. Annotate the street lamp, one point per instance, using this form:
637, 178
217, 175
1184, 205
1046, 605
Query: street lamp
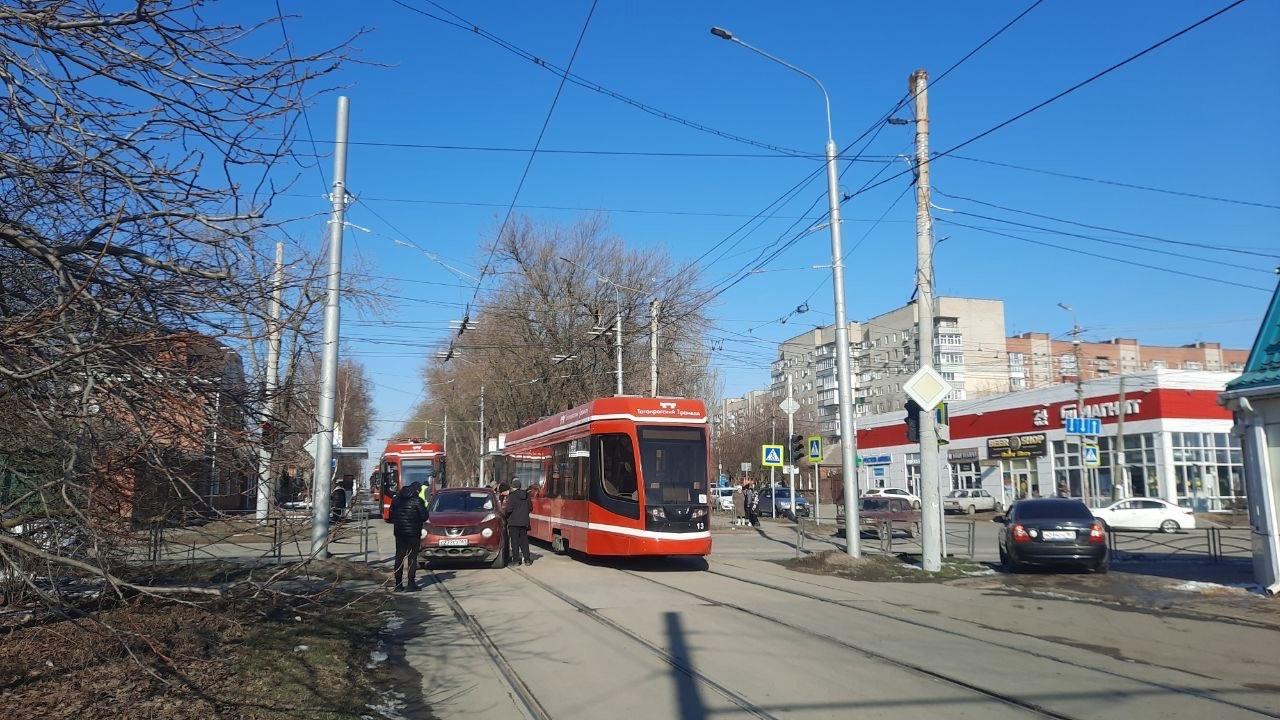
848, 433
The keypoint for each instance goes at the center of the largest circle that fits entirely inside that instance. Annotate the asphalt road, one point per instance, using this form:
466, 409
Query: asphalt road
741, 636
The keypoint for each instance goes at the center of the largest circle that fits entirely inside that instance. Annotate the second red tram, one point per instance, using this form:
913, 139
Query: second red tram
617, 476
405, 462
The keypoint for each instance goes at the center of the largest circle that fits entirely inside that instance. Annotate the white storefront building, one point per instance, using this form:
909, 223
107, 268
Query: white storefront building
1178, 444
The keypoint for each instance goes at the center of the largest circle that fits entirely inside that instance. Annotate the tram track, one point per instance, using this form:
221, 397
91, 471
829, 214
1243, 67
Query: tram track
523, 697
995, 695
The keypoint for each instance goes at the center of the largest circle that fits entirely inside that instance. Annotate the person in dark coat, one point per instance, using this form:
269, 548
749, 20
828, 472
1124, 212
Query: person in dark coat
408, 513
517, 512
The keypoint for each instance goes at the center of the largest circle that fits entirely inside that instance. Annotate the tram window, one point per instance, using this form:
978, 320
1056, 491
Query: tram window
558, 484
617, 467
674, 461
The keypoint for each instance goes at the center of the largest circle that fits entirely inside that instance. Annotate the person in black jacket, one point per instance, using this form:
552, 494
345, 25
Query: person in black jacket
407, 515
517, 512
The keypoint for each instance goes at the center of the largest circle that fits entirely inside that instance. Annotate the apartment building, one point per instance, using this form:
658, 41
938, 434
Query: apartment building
736, 412
1037, 360
969, 350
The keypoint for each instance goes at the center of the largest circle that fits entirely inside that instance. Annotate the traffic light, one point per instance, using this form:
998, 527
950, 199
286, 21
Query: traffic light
798, 449
913, 420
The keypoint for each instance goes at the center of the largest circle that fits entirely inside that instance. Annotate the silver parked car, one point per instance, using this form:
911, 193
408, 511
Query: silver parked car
969, 501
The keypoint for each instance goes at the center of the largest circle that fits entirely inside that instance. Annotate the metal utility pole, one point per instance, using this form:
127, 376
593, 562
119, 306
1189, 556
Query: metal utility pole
930, 490
1119, 469
653, 346
265, 486
773, 440
329, 359
617, 336
844, 388
482, 439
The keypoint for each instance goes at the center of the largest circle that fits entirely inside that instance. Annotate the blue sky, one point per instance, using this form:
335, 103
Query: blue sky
1193, 116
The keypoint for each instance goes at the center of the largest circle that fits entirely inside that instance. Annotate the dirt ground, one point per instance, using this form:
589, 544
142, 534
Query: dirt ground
319, 652
882, 568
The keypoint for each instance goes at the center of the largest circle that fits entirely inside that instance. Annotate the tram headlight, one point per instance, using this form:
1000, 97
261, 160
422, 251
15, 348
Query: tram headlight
657, 513
699, 513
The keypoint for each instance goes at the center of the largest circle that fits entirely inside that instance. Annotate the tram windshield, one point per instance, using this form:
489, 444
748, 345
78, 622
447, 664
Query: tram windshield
416, 471
674, 464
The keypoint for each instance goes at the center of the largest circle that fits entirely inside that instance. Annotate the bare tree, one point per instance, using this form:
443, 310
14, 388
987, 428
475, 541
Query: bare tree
137, 165
540, 345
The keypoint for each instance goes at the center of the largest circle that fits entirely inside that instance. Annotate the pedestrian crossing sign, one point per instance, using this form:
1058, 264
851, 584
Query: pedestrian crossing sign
771, 455
815, 448
1091, 456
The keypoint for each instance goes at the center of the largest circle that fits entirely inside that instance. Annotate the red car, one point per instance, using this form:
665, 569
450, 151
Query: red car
464, 524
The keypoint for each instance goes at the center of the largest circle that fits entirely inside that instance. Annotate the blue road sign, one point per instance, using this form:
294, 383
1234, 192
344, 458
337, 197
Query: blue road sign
1083, 425
771, 455
815, 449
1091, 456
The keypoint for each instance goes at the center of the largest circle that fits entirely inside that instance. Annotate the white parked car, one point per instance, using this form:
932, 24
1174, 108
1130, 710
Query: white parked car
722, 497
969, 501
1146, 514
893, 493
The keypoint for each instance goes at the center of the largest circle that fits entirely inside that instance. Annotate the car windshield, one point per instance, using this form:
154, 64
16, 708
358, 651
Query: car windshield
956, 494
1051, 509
875, 504
463, 502
674, 463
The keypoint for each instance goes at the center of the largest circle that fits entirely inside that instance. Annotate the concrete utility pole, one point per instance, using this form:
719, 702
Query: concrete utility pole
1075, 343
653, 346
1119, 469
265, 486
844, 389
930, 489
329, 359
483, 442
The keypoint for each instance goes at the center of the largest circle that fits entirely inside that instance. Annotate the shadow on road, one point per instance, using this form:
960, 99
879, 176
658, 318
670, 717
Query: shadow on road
688, 697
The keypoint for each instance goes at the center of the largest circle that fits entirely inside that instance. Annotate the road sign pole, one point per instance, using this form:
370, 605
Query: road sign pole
789, 407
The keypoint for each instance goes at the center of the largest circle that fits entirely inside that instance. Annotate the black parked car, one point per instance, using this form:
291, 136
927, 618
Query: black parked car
1052, 531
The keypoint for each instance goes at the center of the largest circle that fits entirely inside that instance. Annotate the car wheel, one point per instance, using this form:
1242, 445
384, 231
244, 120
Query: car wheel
972, 510
1101, 567
1010, 565
1170, 526
500, 561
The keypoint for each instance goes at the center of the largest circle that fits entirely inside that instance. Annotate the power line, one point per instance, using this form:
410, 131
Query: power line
1117, 183
462, 23
1223, 248
1096, 76
1116, 243
306, 121
1134, 263
524, 175
593, 152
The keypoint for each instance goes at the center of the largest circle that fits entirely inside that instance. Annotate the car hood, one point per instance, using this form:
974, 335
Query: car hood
456, 519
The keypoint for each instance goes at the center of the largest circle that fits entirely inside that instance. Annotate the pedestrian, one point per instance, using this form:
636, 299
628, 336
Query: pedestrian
750, 500
739, 506
424, 492
517, 511
408, 513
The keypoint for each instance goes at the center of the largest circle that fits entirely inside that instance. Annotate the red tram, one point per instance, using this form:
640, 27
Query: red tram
405, 462
617, 476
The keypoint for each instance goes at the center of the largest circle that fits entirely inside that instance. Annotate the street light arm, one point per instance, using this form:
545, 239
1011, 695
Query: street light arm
826, 99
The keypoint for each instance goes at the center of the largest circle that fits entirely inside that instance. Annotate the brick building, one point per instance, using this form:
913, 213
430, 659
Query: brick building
1036, 360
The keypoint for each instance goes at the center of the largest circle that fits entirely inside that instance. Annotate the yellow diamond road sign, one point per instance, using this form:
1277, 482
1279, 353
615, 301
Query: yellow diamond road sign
927, 388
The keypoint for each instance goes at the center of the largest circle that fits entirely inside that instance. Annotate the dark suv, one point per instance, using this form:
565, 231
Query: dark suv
1052, 531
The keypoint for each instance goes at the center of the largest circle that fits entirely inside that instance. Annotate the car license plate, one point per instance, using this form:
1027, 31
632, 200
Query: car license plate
456, 542
1059, 535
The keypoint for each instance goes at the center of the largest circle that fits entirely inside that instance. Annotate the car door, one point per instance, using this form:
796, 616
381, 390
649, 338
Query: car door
1121, 516
1148, 514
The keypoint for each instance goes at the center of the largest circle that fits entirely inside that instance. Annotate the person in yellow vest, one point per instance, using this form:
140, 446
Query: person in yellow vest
424, 492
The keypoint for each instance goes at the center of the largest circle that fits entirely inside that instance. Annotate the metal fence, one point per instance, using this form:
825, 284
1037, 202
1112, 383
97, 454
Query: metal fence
961, 536
1213, 544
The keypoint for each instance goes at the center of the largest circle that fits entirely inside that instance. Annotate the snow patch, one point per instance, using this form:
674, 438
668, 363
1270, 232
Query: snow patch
376, 658
390, 707
1208, 587
301, 648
